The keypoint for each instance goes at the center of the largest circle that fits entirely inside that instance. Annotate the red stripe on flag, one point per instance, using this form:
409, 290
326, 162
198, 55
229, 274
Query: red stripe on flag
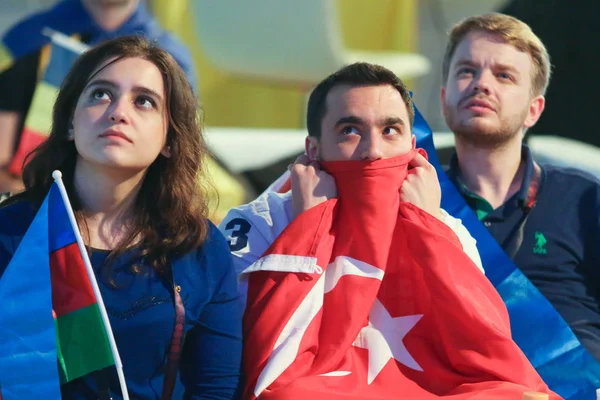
29, 140
71, 287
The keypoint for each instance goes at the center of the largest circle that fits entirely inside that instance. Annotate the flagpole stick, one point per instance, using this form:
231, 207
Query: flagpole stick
57, 175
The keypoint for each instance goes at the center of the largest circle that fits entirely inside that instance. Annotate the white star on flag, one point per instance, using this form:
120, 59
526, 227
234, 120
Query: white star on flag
383, 339
286, 348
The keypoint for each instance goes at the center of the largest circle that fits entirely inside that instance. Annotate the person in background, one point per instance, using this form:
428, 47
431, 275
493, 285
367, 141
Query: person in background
495, 73
574, 59
25, 55
126, 137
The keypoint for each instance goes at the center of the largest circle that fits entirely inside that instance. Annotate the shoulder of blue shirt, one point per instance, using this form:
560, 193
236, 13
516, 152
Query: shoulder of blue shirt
182, 55
61, 13
571, 176
567, 180
25, 35
577, 188
16, 218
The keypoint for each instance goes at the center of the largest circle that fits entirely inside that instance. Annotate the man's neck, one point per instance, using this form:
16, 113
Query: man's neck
110, 17
494, 174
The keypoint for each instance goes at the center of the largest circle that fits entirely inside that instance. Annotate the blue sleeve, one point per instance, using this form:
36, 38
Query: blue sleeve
14, 221
182, 55
26, 36
213, 349
7, 249
596, 236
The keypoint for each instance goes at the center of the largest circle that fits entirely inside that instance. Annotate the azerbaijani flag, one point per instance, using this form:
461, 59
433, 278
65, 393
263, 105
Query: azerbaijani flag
38, 122
51, 328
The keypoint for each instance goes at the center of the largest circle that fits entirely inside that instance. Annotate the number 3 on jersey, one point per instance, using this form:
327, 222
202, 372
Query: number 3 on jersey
239, 233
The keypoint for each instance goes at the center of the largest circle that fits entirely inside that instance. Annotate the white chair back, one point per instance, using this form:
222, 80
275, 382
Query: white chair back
296, 41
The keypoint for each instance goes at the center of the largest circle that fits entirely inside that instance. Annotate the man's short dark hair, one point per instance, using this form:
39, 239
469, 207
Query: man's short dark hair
357, 74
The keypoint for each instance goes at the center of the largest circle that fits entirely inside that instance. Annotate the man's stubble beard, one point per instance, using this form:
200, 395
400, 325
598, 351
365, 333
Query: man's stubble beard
485, 137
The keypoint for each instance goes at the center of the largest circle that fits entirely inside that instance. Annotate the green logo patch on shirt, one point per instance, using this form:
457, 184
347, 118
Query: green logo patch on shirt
540, 244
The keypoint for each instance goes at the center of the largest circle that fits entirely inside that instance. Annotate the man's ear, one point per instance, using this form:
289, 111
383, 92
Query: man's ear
414, 141
536, 107
312, 148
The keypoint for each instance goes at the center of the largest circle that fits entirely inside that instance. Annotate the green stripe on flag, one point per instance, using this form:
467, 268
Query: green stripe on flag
39, 117
82, 343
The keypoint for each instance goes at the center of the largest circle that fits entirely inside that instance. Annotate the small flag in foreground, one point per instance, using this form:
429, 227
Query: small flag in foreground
51, 329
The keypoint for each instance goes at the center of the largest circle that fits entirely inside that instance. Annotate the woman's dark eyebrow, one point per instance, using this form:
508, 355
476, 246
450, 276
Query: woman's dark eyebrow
137, 89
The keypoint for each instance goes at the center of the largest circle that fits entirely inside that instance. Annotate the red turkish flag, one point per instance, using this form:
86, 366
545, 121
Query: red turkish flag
366, 297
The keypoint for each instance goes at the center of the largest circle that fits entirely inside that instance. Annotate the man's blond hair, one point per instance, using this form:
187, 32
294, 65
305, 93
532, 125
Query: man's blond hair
513, 32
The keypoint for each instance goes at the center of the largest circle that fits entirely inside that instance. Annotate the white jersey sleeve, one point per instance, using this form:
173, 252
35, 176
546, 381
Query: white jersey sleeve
251, 228
468, 242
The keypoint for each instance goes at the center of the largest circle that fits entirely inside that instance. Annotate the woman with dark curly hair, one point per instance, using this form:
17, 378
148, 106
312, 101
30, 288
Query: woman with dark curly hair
127, 138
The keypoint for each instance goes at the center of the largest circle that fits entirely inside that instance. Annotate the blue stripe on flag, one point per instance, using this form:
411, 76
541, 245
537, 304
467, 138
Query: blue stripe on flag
61, 60
28, 364
538, 329
61, 233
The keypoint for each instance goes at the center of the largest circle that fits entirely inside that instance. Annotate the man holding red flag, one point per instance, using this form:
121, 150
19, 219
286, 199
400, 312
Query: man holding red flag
358, 285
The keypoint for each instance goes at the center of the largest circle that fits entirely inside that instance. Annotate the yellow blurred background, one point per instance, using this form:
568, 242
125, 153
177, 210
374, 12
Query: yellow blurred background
231, 101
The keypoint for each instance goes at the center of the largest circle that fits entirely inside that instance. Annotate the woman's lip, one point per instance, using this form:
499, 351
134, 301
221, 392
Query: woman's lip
115, 134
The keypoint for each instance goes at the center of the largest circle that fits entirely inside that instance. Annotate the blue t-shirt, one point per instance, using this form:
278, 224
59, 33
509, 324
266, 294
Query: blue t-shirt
70, 17
142, 315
